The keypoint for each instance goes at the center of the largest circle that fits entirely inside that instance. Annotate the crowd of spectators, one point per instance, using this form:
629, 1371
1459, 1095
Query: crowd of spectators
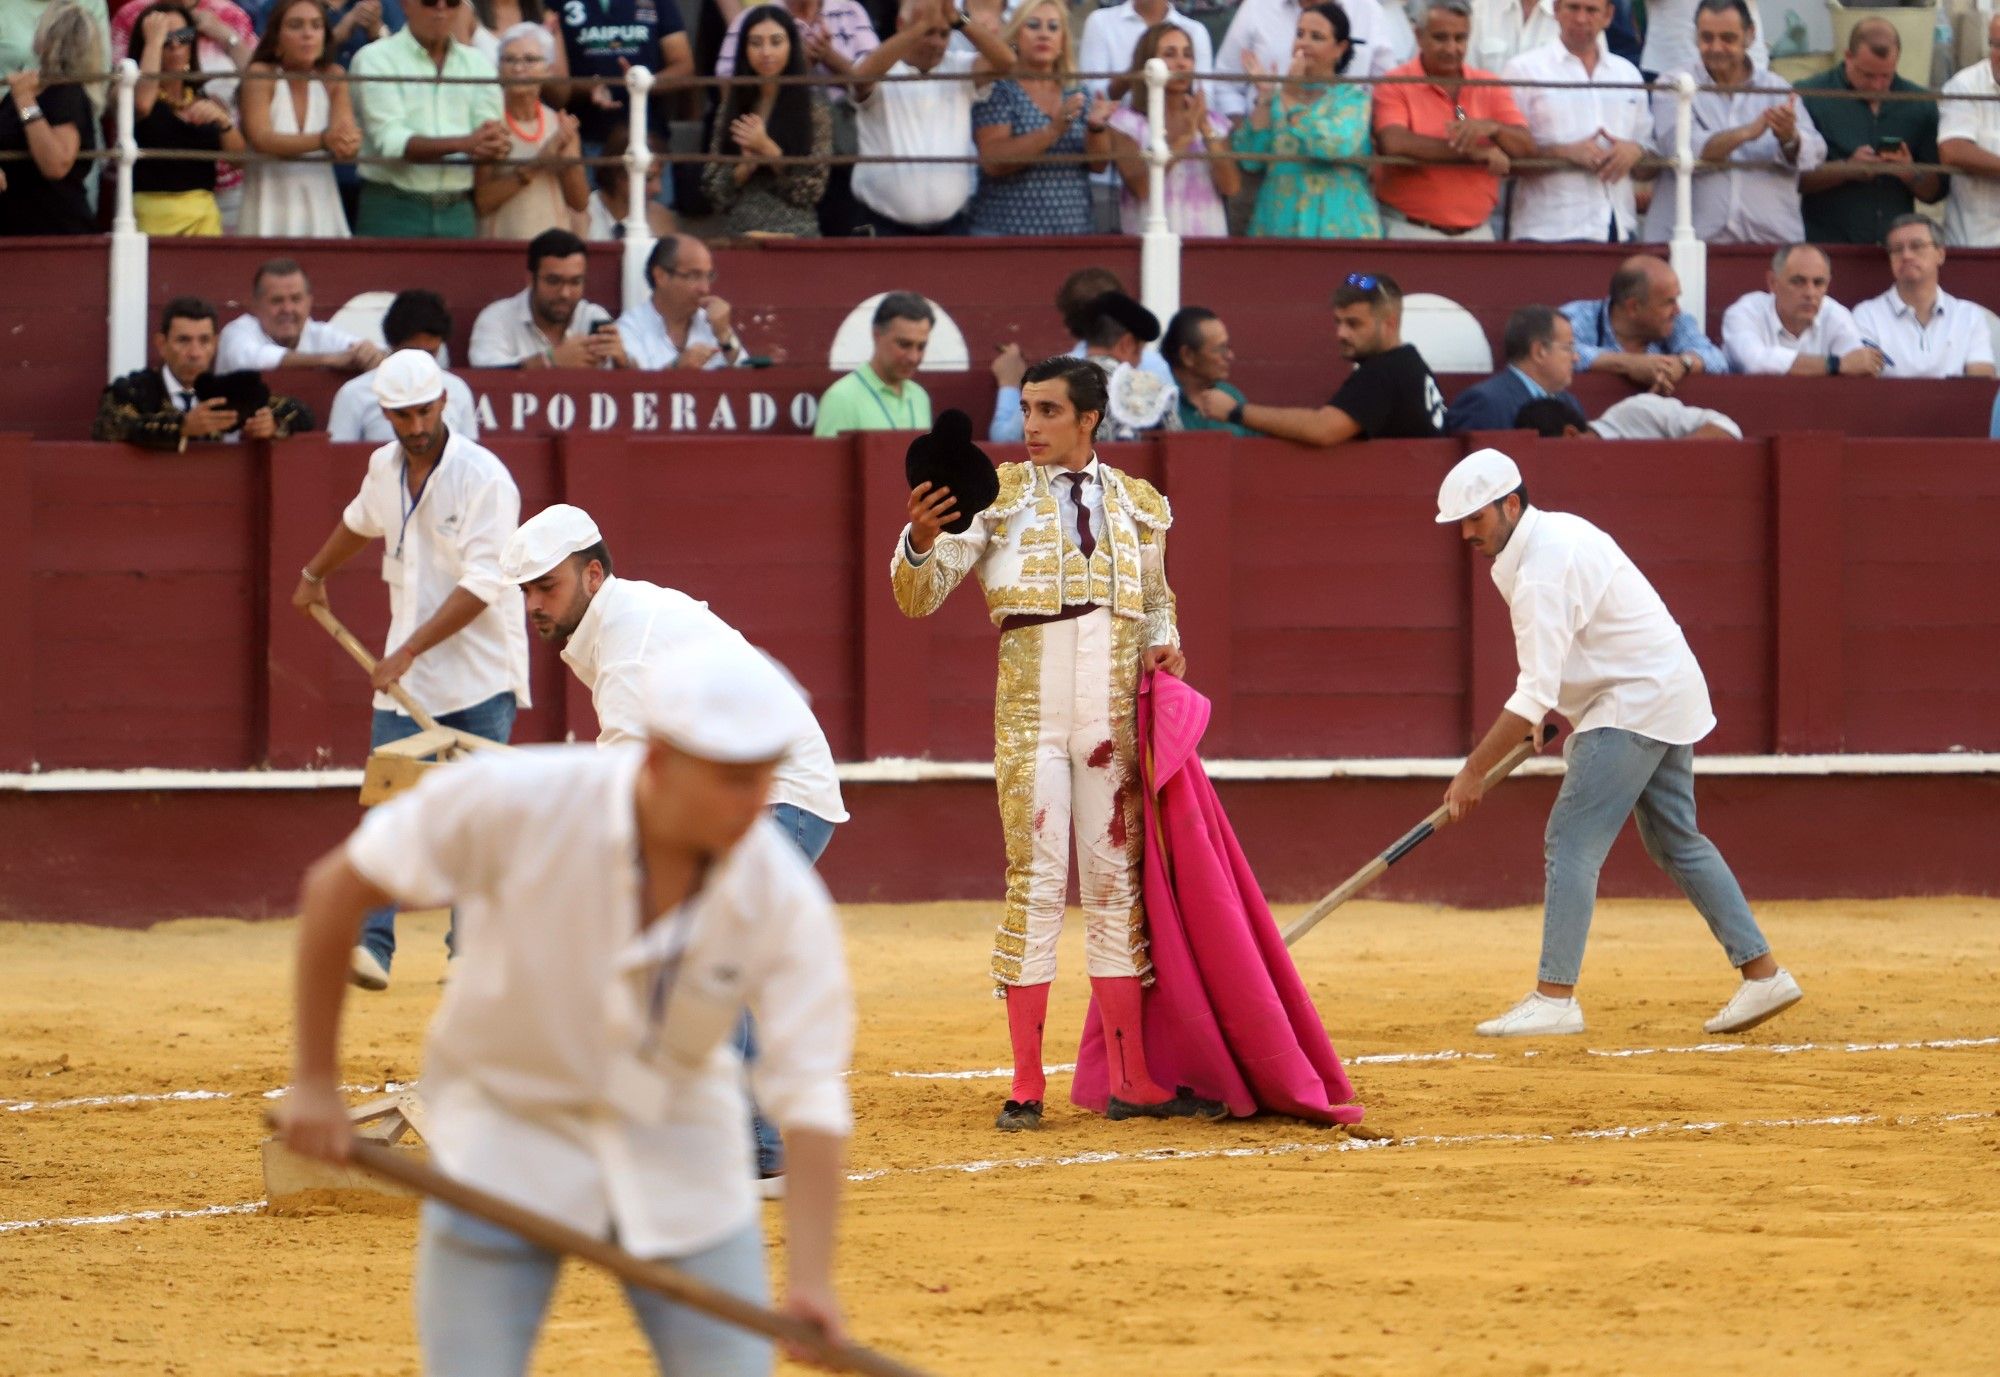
999, 116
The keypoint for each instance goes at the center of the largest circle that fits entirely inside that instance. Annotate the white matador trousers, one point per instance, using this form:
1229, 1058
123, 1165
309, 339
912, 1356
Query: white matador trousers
1065, 755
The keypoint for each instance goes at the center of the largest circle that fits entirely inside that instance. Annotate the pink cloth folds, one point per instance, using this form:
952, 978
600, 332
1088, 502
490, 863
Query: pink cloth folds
1227, 1014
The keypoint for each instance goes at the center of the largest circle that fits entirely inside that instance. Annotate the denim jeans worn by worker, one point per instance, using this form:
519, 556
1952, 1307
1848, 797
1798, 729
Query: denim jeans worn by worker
481, 1293
811, 833
492, 719
1613, 773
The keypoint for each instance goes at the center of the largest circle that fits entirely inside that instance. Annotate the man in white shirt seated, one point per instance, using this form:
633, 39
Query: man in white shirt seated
1601, 132
1795, 327
548, 324
624, 906
1969, 144
1644, 417
280, 332
921, 119
1922, 330
415, 320
684, 324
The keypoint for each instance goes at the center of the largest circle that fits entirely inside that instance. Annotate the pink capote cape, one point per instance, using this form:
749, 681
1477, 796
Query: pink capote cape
1227, 1013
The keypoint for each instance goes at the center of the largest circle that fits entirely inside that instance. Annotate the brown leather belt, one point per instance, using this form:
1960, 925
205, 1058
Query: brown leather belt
1070, 612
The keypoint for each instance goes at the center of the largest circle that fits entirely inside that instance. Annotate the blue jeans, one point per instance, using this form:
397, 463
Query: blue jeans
481, 1293
811, 833
1612, 774
492, 719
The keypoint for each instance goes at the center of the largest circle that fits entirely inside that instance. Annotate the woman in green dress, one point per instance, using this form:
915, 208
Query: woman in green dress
1295, 132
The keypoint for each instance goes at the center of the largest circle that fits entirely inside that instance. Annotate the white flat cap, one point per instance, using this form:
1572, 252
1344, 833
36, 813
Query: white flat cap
545, 540
724, 700
408, 377
1483, 476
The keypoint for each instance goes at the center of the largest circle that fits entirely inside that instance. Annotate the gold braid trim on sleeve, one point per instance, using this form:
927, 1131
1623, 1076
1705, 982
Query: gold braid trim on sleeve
922, 588
1162, 608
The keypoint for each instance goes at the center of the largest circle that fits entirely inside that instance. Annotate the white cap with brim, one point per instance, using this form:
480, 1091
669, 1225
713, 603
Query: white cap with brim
1483, 476
545, 540
408, 377
724, 700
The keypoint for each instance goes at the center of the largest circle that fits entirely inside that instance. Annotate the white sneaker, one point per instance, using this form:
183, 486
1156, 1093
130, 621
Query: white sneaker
1756, 1001
364, 970
1537, 1016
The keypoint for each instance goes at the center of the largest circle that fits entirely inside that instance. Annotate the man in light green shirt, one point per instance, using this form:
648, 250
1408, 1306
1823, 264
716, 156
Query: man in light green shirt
883, 393
439, 129
18, 19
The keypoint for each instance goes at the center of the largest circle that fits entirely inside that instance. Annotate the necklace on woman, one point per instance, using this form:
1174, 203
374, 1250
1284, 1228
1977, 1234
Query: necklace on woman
541, 122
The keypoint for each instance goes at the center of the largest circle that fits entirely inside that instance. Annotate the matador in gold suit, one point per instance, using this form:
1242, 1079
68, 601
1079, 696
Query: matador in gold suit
1072, 558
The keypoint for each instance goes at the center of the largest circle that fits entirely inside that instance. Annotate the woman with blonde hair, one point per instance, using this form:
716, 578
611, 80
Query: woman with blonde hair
47, 114
301, 123
1197, 189
1036, 112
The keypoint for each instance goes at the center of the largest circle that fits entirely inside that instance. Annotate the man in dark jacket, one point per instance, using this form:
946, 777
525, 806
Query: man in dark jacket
1541, 359
183, 400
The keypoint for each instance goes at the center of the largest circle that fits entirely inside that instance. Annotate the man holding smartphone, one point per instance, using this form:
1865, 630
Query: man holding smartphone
548, 324
1873, 146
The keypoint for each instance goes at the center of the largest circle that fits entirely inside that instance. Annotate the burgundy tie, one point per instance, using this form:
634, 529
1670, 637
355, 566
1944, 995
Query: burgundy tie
1085, 541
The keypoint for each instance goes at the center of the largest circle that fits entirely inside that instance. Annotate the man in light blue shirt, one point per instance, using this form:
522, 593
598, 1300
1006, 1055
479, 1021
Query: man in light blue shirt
1640, 331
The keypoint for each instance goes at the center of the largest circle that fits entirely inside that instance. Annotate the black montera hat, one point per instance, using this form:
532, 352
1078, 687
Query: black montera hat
244, 391
946, 457
1144, 325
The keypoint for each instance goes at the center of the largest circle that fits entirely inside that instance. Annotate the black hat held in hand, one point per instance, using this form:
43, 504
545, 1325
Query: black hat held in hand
1144, 325
244, 391
947, 458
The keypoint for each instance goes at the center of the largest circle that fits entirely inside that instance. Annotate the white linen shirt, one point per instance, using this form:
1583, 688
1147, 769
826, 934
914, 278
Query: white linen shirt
505, 334
450, 539
1972, 210
1647, 417
917, 119
1501, 33
1111, 36
1958, 335
1575, 204
1267, 28
1758, 342
1755, 203
632, 632
647, 344
1594, 641
243, 344
582, 1066
357, 413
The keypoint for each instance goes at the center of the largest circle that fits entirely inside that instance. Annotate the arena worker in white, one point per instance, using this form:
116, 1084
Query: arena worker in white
621, 906
1596, 644
443, 508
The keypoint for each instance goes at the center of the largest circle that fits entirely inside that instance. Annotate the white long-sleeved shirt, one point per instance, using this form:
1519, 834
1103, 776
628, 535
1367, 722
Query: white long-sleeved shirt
1594, 641
1758, 342
505, 334
357, 415
447, 538
1956, 337
1754, 203
1500, 32
648, 345
1575, 204
1268, 27
244, 345
1972, 209
632, 633
581, 1065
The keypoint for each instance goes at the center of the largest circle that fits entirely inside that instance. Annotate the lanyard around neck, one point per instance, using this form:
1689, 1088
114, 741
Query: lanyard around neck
408, 503
909, 410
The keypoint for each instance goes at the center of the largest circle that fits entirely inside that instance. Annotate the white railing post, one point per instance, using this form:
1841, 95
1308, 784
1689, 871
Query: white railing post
638, 163
126, 316
1687, 253
1159, 245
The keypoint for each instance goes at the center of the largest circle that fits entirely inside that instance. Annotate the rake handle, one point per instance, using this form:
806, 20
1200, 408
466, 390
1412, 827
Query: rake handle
352, 645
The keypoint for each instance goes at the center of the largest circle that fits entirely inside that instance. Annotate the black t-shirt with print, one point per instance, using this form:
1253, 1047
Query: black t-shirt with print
1393, 396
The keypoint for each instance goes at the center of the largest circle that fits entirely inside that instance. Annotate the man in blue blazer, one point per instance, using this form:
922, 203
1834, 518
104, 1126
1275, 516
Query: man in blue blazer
1541, 359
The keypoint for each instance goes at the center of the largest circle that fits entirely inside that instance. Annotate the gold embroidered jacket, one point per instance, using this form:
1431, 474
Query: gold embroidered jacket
135, 409
1027, 566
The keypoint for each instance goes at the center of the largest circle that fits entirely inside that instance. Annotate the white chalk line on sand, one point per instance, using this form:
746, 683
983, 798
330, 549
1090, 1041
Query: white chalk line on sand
1168, 1154
1782, 1049
170, 1096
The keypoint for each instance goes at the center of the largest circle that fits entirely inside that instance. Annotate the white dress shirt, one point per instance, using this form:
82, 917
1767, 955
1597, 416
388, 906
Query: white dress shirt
1111, 36
1647, 417
181, 395
632, 633
913, 119
1670, 42
1972, 210
1500, 32
1594, 641
1758, 342
357, 415
647, 344
1267, 28
1575, 204
1958, 335
582, 1066
1751, 204
244, 345
449, 538
505, 334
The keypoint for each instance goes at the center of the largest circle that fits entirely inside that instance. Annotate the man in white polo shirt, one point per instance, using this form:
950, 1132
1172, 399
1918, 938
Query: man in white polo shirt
922, 119
1596, 644
1795, 327
623, 906
1922, 330
443, 508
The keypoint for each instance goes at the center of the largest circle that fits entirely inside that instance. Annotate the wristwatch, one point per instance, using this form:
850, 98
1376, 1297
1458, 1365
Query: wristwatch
1236, 414
31, 113
959, 20
1832, 364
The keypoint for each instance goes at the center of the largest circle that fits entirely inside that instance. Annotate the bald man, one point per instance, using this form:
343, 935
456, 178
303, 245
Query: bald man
1639, 330
684, 324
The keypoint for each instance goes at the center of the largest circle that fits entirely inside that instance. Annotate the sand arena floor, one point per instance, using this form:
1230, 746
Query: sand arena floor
1819, 1201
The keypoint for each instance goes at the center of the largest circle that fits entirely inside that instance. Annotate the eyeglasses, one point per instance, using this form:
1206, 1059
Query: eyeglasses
440, 4
181, 38
696, 274
522, 60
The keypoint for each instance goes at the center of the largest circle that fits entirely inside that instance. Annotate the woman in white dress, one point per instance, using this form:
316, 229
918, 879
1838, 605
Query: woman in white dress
299, 122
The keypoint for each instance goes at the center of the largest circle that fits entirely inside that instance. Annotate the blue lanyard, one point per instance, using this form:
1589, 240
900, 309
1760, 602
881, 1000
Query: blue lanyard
410, 504
909, 409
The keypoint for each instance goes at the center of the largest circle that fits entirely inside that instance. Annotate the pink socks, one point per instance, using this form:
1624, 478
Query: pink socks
1027, 1007
1118, 1004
